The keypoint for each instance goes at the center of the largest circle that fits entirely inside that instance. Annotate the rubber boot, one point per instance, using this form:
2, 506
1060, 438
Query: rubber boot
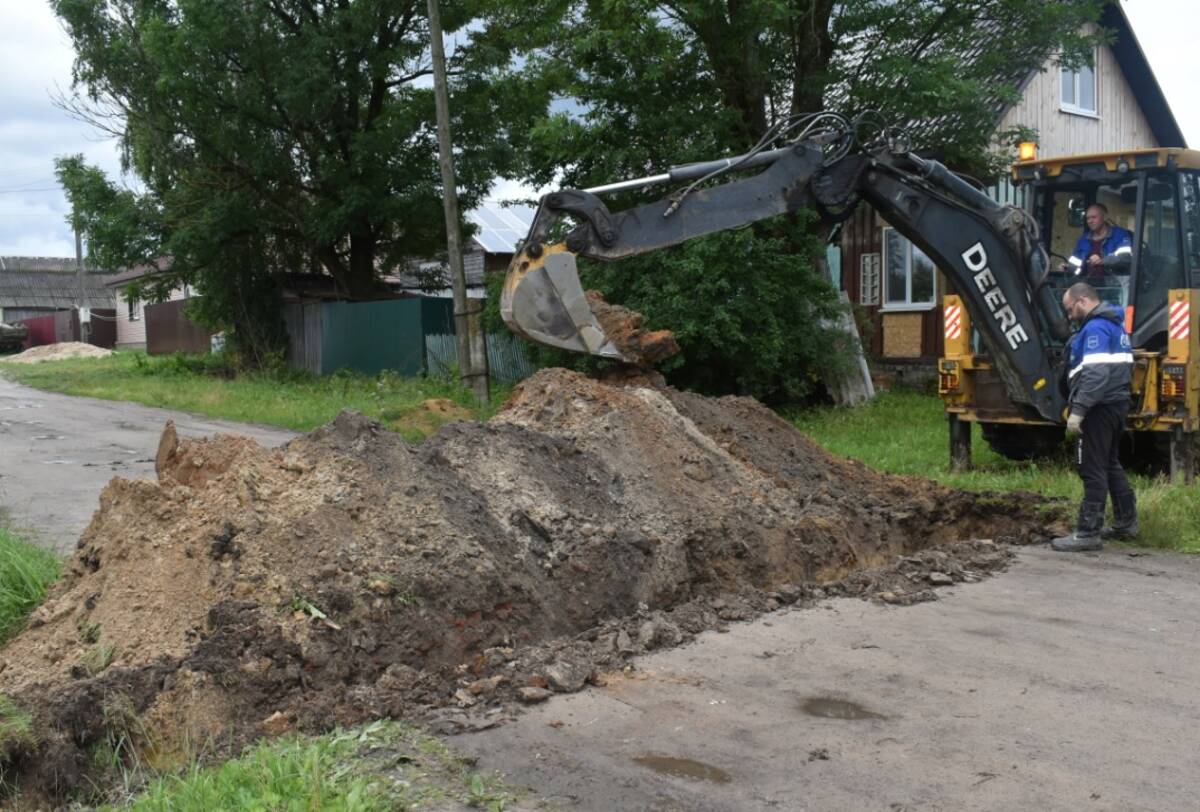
1125, 521
1087, 531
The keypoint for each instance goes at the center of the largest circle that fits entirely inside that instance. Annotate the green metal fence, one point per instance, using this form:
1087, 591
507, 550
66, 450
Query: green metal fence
408, 336
507, 359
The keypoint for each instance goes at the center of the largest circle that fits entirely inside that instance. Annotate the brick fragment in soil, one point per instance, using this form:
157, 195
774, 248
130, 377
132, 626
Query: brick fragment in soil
350, 575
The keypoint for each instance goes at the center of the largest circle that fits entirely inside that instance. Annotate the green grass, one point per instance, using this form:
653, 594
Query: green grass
203, 385
16, 727
906, 433
380, 766
26, 572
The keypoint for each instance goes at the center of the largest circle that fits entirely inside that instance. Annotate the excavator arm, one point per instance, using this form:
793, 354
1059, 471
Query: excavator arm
990, 252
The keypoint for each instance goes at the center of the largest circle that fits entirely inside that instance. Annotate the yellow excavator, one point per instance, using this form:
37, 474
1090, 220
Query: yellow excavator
1155, 194
1003, 368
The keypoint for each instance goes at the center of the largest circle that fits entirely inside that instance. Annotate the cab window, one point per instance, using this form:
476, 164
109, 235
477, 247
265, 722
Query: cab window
1160, 266
1062, 215
1190, 195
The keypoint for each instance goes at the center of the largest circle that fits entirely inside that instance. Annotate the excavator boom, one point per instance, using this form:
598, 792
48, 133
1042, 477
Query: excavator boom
990, 252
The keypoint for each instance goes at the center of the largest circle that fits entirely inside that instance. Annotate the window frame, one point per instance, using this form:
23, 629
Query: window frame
133, 311
870, 276
908, 306
1074, 108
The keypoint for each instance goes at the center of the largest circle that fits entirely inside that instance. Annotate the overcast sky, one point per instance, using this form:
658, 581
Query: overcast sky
35, 62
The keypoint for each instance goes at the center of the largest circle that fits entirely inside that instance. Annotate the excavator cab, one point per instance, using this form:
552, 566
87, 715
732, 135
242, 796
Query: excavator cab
1155, 195
1157, 203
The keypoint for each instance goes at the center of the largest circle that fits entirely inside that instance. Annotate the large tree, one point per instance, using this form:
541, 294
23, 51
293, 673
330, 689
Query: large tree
646, 84
279, 135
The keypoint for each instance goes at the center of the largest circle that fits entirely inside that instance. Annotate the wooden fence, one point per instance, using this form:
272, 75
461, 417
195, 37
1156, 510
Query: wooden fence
63, 326
168, 330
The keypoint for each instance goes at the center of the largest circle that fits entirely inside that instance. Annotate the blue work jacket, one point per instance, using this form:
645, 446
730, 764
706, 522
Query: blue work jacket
1100, 360
1119, 242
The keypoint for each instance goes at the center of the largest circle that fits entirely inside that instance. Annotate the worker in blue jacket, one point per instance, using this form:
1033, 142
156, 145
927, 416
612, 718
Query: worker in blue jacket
1099, 369
1104, 248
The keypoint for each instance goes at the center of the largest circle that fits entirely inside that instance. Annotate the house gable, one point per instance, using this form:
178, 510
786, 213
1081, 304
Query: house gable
1131, 110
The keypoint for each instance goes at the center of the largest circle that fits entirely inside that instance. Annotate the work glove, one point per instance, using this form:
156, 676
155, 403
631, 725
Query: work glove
1074, 425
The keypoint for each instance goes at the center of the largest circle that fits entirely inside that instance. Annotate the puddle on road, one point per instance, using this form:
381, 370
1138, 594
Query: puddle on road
60, 462
828, 708
49, 437
683, 768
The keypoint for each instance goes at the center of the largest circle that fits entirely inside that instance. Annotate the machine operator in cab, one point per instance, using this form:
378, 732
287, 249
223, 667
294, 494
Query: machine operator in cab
1104, 248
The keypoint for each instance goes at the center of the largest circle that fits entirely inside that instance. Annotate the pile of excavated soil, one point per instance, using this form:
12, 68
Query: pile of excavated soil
58, 352
350, 575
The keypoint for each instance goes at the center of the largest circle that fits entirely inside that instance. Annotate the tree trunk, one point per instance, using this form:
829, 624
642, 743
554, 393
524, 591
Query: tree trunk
360, 279
812, 48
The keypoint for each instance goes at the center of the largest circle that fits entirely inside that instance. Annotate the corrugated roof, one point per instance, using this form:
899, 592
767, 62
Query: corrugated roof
432, 274
500, 228
44, 264
48, 282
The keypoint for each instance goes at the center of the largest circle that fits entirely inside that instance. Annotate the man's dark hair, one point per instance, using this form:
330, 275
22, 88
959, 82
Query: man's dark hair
1082, 290
1101, 207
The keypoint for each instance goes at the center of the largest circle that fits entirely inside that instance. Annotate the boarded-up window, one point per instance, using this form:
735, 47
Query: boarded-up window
902, 335
868, 279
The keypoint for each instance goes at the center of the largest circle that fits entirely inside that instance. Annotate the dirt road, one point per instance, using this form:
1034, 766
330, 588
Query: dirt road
71, 447
1066, 683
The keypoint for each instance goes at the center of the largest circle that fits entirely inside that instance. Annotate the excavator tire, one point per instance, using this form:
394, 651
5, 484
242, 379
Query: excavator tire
1022, 442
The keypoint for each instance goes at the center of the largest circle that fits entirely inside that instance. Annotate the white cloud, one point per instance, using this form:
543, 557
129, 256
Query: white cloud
1169, 43
35, 63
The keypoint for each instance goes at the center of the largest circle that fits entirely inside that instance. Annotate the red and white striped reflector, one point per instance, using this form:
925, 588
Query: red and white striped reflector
953, 320
1178, 319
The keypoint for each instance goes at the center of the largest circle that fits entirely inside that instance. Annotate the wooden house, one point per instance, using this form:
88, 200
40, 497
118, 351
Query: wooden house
1115, 104
156, 325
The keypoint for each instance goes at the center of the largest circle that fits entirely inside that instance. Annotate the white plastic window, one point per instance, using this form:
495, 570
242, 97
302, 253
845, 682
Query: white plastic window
1079, 90
910, 275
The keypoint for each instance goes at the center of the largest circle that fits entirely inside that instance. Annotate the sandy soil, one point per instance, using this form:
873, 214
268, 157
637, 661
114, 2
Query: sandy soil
57, 352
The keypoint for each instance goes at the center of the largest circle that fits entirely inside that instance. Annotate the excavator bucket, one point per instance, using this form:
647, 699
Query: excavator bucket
543, 300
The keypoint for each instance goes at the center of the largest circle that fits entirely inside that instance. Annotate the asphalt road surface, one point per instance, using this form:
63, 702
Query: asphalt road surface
57, 452
1071, 682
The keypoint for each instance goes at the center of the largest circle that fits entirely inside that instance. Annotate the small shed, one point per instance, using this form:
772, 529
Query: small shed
369, 337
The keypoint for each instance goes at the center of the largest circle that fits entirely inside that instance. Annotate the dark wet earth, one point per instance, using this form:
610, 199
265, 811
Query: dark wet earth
1080, 696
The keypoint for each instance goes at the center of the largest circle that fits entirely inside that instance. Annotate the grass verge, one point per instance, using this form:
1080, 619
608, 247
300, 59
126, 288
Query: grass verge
26, 572
294, 400
383, 765
905, 433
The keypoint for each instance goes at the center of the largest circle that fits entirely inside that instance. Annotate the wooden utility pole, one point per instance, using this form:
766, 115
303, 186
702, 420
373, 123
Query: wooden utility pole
472, 367
83, 328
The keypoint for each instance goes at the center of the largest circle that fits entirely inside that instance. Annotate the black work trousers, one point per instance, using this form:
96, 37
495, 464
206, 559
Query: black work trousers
1097, 454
